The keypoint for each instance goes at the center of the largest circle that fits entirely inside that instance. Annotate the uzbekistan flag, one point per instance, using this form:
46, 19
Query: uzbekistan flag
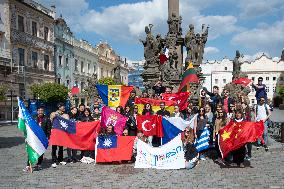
140, 102
114, 148
114, 95
74, 135
189, 76
36, 140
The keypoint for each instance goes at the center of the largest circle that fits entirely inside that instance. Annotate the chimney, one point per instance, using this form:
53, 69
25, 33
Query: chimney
282, 55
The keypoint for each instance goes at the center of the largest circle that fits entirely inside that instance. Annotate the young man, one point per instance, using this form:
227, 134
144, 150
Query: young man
262, 112
227, 100
214, 97
81, 110
158, 88
44, 122
58, 159
168, 90
260, 90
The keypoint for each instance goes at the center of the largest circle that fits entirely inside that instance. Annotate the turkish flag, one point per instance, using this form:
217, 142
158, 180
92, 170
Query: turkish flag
242, 81
150, 125
180, 98
236, 134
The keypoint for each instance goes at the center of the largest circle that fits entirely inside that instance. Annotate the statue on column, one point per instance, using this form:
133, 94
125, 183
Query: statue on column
117, 73
237, 66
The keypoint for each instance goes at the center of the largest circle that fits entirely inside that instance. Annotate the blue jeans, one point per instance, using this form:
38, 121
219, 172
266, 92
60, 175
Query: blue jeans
265, 134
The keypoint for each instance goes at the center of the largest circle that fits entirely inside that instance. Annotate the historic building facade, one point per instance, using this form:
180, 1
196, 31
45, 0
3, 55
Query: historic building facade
219, 73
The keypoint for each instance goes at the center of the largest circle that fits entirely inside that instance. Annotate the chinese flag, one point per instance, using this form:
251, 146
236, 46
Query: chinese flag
242, 81
150, 125
179, 98
236, 134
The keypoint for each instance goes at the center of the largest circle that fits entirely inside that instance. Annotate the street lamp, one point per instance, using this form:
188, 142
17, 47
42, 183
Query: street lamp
11, 95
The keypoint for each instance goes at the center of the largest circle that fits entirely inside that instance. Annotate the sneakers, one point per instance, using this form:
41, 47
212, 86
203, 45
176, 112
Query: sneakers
27, 169
87, 160
266, 148
62, 163
247, 158
257, 147
38, 167
202, 157
54, 165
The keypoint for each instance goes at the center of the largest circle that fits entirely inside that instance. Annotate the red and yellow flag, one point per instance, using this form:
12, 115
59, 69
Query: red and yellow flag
140, 102
237, 134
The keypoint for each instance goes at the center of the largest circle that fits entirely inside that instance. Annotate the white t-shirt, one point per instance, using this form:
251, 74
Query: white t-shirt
261, 112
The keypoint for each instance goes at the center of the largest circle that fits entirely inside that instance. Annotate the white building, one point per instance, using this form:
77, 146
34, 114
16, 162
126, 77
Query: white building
219, 73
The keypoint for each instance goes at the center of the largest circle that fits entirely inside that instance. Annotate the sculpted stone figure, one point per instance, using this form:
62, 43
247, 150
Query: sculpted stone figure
117, 73
237, 66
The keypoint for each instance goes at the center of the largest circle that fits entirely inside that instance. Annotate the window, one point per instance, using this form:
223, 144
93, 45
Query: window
102, 72
224, 80
267, 89
267, 78
274, 78
76, 65
60, 60
252, 78
76, 83
252, 101
66, 62
274, 89
226, 68
67, 82
59, 80
89, 71
46, 62
34, 59
82, 86
281, 78
95, 69
216, 81
34, 28
21, 57
82, 66
46, 31
21, 26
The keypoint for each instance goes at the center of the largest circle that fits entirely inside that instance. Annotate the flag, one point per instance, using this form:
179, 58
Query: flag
75, 90
75, 135
114, 95
164, 56
202, 143
189, 76
243, 81
168, 156
180, 99
36, 140
140, 102
150, 125
236, 134
172, 126
114, 148
110, 116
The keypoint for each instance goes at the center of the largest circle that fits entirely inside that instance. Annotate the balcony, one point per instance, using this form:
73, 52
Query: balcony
39, 71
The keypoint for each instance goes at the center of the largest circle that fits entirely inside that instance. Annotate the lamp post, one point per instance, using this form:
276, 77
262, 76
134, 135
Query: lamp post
11, 95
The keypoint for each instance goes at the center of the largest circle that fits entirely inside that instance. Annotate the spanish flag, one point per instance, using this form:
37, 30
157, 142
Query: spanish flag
114, 95
140, 102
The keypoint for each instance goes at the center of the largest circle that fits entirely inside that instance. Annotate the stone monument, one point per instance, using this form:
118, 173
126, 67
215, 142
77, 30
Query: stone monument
171, 71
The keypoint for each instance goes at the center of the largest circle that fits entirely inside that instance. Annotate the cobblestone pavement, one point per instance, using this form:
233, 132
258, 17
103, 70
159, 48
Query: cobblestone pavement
265, 171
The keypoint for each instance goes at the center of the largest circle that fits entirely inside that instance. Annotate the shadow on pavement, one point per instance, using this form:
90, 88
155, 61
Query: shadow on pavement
9, 142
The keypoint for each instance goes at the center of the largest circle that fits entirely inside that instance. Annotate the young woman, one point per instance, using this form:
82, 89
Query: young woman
190, 153
127, 111
199, 125
96, 115
177, 113
86, 116
119, 109
220, 122
147, 109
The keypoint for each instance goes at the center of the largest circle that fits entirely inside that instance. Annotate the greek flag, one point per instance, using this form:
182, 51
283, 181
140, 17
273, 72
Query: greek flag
202, 143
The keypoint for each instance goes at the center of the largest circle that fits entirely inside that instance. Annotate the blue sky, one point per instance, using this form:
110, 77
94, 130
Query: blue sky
251, 26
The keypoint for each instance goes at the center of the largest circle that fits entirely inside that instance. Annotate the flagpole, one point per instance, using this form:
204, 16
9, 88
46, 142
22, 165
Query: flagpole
31, 168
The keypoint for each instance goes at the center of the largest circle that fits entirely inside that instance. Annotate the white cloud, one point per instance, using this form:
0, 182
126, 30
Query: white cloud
262, 39
127, 21
211, 50
256, 8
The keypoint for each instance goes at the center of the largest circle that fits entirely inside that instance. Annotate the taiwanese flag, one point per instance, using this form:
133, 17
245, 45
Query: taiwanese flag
114, 148
242, 81
237, 134
114, 95
140, 102
179, 98
110, 116
150, 125
80, 135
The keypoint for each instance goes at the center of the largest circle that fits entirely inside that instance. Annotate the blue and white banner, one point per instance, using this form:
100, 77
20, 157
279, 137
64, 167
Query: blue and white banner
168, 156
202, 143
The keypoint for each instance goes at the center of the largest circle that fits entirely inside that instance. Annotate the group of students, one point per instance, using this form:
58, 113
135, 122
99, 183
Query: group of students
214, 111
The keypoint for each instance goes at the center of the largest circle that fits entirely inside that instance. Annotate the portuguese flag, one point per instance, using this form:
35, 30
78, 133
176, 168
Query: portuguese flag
189, 76
36, 140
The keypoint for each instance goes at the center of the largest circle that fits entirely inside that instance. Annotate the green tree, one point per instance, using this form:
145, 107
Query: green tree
50, 92
281, 91
3, 91
107, 81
